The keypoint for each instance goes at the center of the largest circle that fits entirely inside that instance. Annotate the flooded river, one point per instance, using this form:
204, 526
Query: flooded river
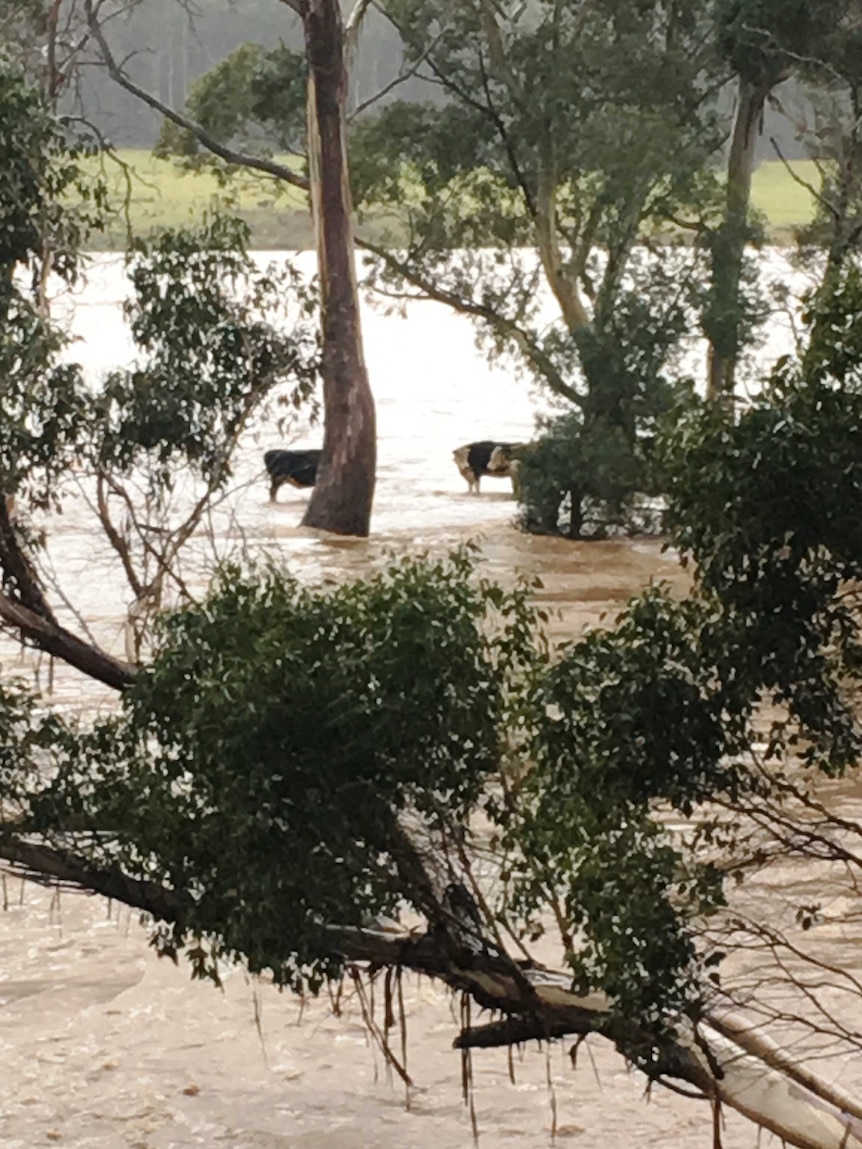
102, 1044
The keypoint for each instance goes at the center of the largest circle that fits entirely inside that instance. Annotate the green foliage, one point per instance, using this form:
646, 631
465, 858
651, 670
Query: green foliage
255, 97
763, 40
555, 137
761, 506
733, 304
44, 403
637, 714
40, 168
263, 759
831, 65
589, 469
208, 327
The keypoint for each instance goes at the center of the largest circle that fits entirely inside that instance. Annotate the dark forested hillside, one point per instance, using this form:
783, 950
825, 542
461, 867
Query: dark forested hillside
166, 49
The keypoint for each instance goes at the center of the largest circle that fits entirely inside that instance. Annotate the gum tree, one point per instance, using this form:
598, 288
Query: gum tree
342, 498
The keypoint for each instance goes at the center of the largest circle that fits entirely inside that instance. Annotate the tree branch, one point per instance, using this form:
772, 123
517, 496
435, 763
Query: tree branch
270, 167
401, 78
809, 1115
40, 862
814, 192
56, 640
538, 359
17, 569
353, 25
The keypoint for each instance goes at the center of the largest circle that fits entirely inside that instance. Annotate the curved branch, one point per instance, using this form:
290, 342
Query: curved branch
530, 349
43, 863
270, 167
18, 569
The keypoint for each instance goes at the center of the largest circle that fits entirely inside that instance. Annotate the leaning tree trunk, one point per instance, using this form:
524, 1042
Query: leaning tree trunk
729, 249
341, 500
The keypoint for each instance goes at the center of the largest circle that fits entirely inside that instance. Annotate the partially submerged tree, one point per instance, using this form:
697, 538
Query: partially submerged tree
409, 742
579, 132
295, 725
343, 495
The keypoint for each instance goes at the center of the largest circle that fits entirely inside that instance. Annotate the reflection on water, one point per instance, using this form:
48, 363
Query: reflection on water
104, 1046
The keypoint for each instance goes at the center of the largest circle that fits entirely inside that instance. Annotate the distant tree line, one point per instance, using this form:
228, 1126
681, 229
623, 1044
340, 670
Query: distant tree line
167, 48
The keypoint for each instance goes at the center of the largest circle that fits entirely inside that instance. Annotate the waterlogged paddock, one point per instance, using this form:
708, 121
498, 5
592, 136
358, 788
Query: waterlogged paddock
103, 1045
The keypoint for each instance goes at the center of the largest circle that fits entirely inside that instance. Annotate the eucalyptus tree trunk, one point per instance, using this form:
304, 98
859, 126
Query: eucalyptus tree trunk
729, 249
342, 498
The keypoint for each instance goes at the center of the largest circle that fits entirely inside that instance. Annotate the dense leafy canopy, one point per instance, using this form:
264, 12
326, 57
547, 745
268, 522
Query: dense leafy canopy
263, 759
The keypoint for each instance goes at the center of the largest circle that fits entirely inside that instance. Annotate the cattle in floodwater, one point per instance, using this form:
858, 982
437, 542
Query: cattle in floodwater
299, 468
487, 457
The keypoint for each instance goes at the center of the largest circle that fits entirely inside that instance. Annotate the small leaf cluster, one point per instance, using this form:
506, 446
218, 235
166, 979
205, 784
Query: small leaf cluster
46, 405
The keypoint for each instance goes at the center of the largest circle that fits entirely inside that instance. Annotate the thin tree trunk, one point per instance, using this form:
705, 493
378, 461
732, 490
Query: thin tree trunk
342, 498
730, 241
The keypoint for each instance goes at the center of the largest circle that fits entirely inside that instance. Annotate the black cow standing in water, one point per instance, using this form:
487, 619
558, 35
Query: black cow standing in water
487, 457
299, 468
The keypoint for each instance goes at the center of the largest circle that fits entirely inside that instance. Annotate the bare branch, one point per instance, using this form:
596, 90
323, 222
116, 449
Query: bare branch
762, 1047
401, 78
353, 25
531, 350
797, 178
270, 167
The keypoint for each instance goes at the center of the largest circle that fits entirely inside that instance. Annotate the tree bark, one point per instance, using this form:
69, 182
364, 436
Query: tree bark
61, 643
730, 242
342, 497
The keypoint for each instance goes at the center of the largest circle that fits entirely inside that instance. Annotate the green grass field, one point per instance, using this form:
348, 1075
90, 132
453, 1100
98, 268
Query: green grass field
783, 197
147, 192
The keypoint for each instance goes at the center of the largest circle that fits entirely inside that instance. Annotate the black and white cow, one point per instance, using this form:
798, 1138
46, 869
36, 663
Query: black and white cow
487, 457
299, 468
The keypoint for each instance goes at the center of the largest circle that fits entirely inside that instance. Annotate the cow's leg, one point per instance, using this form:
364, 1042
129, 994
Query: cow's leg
275, 483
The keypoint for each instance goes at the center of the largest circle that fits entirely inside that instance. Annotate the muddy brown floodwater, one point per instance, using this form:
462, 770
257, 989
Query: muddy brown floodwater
103, 1045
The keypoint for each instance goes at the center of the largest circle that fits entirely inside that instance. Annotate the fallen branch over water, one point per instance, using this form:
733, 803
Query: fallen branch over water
723, 1059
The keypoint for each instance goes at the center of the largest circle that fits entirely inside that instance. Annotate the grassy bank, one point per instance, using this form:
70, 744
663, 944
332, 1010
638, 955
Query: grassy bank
147, 192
